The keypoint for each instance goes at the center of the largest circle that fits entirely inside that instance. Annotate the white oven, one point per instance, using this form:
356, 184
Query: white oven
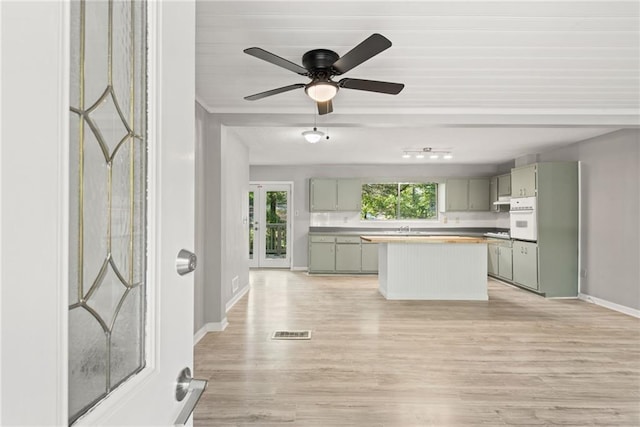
523, 219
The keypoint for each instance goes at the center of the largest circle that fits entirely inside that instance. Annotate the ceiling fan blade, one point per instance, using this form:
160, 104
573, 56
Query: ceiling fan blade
276, 60
369, 48
372, 86
273, 92
325, 107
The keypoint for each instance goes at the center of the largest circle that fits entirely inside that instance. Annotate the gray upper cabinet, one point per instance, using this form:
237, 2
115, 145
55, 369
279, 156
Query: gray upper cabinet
457, 194
323, 195
523, 181
467, 194
328, 194
479, 194
349, 195
493, 194
504, 185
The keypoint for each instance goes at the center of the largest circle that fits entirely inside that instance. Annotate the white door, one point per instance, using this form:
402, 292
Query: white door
38, 208
270, 225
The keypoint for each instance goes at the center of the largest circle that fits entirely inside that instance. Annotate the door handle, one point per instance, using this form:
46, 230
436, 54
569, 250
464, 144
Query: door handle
186, 262
185, 385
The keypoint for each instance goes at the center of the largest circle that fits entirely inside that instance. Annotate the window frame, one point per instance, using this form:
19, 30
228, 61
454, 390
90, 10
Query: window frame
398, 184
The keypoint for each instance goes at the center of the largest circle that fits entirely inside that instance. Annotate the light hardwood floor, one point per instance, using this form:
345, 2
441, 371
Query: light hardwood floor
517, 359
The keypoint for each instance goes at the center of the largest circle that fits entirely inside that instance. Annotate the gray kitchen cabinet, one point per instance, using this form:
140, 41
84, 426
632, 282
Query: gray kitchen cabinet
492, 258
457, 194
329, 194
349, 195
504, 185
467, 194
369, 257
499, 262
322, 257
479, 194
525, 264
523, 181
493, 194
505, 261
348, 257
322, 195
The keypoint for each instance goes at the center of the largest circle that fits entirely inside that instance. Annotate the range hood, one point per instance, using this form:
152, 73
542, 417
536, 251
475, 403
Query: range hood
504, 200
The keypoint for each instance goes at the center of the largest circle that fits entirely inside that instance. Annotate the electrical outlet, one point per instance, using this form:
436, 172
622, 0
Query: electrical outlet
445, 219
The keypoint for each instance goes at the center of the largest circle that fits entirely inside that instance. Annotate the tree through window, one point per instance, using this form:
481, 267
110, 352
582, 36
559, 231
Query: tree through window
393, 201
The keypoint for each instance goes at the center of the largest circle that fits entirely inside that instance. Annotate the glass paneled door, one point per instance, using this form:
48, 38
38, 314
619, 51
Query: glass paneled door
269, 225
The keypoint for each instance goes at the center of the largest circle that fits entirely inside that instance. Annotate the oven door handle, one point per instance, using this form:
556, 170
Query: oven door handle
528, 211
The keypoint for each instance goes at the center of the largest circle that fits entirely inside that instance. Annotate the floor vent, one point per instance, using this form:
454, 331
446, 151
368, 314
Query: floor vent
291, 335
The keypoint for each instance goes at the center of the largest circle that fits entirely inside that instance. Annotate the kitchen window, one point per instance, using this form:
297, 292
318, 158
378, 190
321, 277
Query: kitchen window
399, 201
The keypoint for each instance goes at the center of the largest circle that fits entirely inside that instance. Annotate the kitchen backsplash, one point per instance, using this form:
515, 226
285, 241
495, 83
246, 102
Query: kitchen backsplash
445, 220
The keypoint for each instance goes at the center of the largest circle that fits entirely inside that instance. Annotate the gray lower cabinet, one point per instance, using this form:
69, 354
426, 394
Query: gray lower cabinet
499, 262
505, 262
322, 256
370, 257
341, 254
348, 257
492, 258
525, 264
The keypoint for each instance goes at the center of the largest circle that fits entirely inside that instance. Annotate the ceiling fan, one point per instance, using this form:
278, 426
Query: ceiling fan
320, 65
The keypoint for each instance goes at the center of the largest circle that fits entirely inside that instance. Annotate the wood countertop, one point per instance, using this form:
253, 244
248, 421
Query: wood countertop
424, 239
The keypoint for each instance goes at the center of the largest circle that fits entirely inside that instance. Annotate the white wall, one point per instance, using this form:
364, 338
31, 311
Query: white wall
222, 239
610, 247
303, 218
235, 214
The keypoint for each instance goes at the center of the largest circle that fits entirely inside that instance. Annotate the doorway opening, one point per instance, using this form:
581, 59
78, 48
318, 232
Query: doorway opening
270, 225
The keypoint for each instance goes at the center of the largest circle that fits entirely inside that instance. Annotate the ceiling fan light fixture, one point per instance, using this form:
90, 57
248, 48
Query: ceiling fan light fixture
313, 136
447, 156
406, 155
321, 91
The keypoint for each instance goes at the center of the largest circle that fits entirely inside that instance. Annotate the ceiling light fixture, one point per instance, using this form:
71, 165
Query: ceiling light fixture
419, 153
321, 91
313, 136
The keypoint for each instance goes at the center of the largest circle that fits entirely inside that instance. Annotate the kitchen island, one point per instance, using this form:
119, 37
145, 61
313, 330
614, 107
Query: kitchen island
415, 267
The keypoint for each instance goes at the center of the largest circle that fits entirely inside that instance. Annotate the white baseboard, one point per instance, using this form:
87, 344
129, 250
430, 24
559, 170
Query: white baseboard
210, 327
236, 298
299, 269
610, 305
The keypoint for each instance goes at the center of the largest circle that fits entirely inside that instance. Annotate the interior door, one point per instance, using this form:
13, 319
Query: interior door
38, 207
254, 227
269, 225
147, 397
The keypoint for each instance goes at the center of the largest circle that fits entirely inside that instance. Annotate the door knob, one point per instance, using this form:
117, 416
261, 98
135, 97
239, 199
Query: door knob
186, 262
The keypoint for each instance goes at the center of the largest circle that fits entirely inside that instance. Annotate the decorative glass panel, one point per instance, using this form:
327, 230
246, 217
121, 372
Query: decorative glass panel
108, 198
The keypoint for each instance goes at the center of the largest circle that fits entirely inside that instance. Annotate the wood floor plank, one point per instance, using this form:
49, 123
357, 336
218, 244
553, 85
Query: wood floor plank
517, 359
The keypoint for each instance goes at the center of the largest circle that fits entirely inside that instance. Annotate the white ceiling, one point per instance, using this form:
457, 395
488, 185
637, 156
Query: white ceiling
489, 80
